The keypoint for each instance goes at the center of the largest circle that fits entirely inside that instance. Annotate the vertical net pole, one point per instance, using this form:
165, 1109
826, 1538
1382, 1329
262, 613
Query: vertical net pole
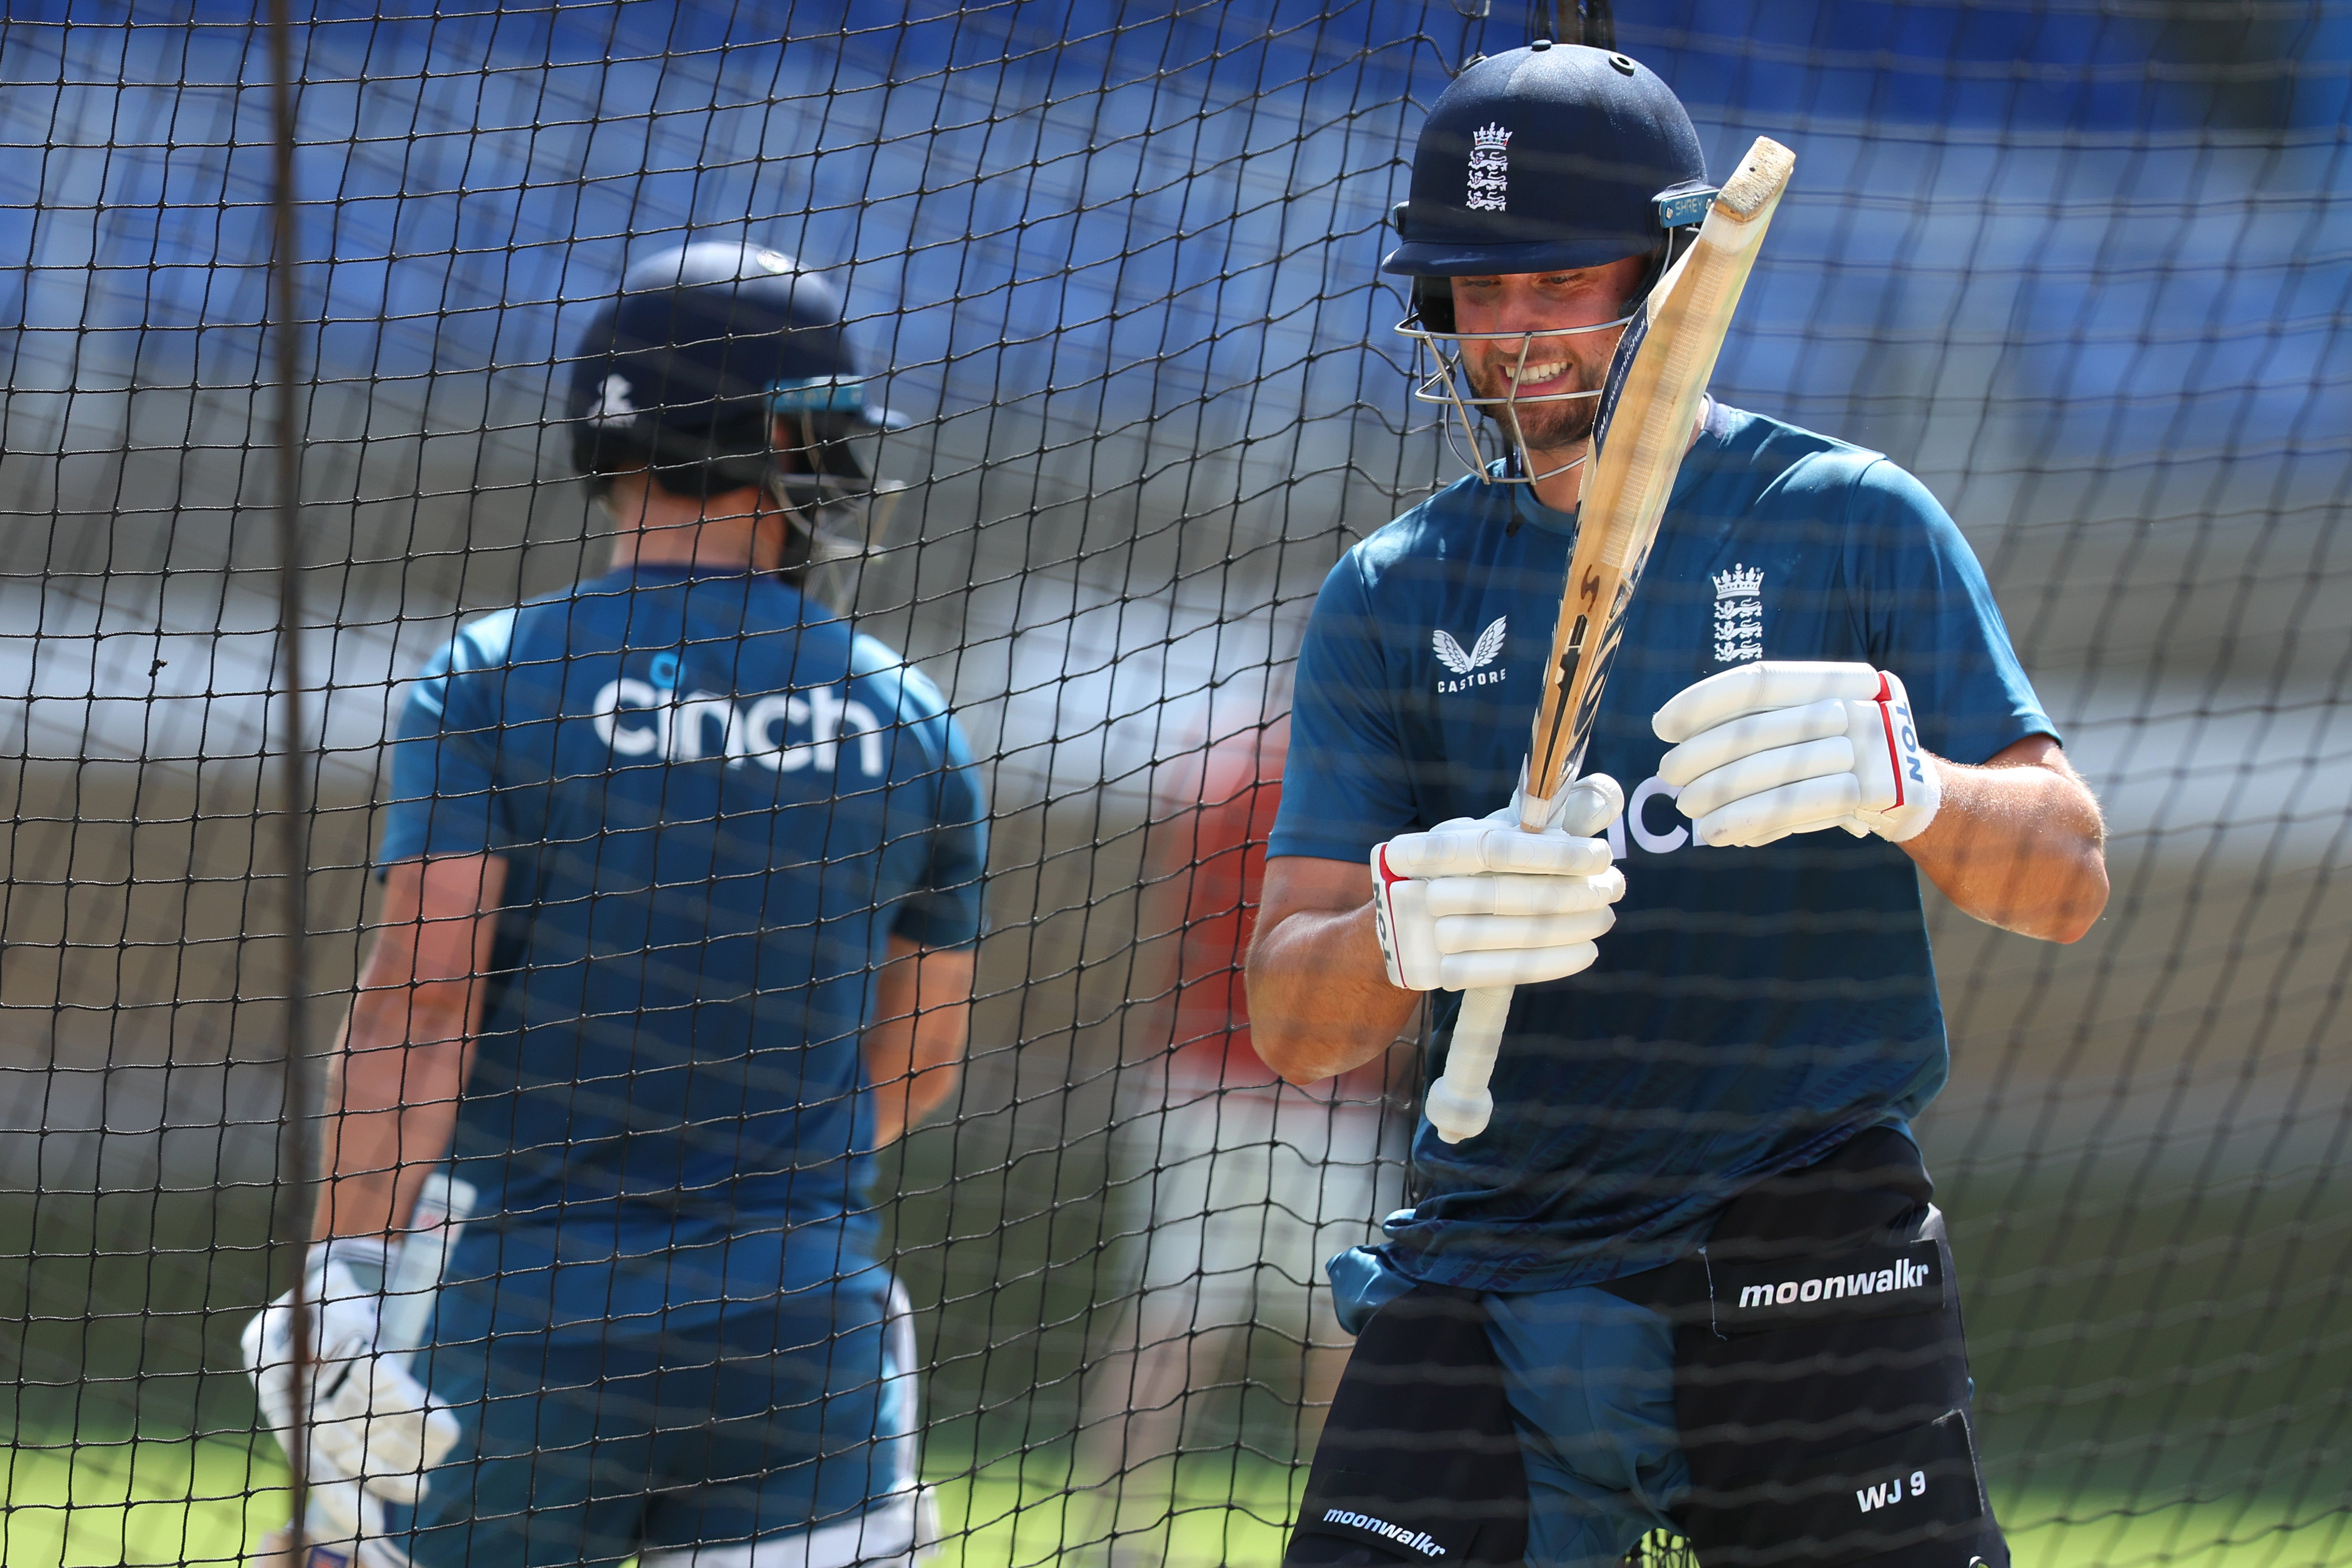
293, 759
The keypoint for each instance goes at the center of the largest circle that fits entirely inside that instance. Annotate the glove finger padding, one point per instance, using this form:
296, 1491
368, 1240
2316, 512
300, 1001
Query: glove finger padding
1726, 744
1756, 689
1525, 967
1483, 903
1491, 933
1767, 772
1806, 805
370, 1422
1776, 748
1501, 895
1592, 804
1450, 850
382, 1429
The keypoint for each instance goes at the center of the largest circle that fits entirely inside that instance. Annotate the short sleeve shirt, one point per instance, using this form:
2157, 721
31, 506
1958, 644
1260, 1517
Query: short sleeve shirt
717, 803
1752, 1007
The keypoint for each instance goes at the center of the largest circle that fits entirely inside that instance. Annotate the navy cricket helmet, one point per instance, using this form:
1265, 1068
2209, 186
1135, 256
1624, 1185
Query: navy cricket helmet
1551, 156
706, 347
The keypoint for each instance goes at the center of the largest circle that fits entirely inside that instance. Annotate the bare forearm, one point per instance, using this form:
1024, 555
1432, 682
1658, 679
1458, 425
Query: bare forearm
391, 1109
914, 1065
1320, 998
2018, 845
914, 1050
934, 1086
391, 1098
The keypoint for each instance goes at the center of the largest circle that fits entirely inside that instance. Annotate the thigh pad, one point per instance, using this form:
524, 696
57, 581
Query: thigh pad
1822, 1385
1419, 1461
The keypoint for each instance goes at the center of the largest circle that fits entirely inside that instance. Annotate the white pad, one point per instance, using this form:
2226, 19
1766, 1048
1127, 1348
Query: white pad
1756, 688
1711, 749
1522, 966
1480, 901
1469, 846
1520, 895
369, 1421
1807, 805
1762, 771
373, 1424
1502, 933
1843, 752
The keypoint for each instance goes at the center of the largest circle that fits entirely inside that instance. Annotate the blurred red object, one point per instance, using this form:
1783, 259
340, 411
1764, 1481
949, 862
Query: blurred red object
1214, 813
1216, 810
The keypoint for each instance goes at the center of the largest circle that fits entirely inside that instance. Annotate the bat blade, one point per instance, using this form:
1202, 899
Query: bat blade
1649, 404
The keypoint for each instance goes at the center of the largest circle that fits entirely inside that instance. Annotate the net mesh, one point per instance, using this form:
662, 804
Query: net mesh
2080, 267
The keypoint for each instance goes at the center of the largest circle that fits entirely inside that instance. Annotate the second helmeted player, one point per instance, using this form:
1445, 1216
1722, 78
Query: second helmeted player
682, 880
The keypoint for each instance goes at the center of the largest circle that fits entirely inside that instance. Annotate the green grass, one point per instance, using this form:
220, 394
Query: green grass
136, 1503
2045, 1531
2133, 1348
1212, 1512
148, 1502
153, 1503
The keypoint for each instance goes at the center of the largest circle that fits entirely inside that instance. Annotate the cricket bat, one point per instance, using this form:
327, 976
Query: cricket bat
1648, 406
418, 1264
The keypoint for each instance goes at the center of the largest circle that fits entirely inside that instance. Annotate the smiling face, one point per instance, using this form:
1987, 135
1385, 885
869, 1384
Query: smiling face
1576, 361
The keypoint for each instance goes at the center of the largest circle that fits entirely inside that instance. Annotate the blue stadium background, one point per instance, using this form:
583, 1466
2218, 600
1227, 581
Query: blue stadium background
2087, 267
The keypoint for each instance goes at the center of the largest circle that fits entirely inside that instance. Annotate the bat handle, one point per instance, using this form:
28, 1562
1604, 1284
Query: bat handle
1458, 1105
420, 1260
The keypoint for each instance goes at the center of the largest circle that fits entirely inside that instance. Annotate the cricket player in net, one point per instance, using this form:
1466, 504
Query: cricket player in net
1690, 1276
681, 881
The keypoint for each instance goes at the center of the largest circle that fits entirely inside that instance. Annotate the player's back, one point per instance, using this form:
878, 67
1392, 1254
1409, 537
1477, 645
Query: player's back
717, 803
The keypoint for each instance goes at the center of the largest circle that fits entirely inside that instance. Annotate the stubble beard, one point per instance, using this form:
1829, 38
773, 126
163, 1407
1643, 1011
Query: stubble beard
1543, 426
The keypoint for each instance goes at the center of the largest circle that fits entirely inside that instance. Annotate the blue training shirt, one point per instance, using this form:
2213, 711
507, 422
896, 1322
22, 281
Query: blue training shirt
1752, 1007
717, 803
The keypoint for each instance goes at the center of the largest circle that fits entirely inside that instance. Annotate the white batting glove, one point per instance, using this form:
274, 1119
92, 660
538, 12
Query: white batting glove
1782, 747
370, 1424
1478, 901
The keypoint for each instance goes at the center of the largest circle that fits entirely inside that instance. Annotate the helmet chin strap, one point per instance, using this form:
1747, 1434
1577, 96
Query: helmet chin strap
1662, 260
830, 517
796, 546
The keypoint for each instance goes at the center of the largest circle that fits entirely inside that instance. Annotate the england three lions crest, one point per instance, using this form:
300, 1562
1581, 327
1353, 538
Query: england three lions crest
1490, 170
1738, 615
